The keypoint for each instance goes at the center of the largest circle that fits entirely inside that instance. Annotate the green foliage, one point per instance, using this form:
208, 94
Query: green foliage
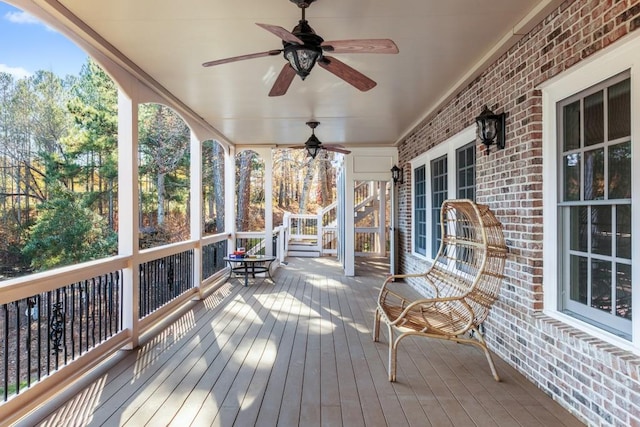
67, 232
59, 174
164, 142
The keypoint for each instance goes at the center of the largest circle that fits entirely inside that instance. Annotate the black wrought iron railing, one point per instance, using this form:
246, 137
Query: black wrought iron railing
164, 279
44, 332
213, 258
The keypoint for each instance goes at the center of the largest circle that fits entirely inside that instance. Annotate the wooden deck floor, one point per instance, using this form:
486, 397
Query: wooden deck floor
299, 353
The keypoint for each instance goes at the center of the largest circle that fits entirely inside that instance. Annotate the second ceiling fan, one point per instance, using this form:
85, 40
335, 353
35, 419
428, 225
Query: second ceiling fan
303, 48
313, 144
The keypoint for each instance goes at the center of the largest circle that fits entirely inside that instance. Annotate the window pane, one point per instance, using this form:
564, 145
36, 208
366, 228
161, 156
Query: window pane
623, 291
578, 235
593, 119
601, 285
619, 110
471, 194
594, 175
623, 231
601, 230
571, 126
620, 171
462, 158
466, 167
420, 238
578, 279
571, 177
439, 195
462, 179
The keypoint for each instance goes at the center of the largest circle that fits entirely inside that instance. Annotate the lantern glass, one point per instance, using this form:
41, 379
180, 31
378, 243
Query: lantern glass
302, 59
313, 151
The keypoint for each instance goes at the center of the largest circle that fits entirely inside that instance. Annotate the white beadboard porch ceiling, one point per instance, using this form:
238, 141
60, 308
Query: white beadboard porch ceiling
442, 44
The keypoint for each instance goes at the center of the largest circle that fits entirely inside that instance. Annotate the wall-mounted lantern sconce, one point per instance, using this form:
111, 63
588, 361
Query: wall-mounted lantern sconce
397, 175
491, 128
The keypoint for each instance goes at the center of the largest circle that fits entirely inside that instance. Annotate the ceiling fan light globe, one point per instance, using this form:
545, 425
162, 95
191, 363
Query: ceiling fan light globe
313, 151
302, 58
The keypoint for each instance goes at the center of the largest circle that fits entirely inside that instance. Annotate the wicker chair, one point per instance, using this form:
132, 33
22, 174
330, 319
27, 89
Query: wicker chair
464, 282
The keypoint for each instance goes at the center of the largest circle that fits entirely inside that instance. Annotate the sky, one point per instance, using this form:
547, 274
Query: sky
27, 46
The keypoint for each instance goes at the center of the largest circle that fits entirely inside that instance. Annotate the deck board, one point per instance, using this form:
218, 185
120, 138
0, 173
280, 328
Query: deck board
298, 352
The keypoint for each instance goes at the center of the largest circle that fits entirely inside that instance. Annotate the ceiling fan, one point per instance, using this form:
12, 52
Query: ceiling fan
313, 144
303, 48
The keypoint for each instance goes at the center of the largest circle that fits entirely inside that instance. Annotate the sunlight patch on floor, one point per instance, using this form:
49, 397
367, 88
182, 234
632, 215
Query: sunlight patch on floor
80, 409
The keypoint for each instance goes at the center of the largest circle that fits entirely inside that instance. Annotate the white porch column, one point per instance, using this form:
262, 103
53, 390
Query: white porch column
128, 207
230, 197
382, 219
349, 220
195, 221
393, 227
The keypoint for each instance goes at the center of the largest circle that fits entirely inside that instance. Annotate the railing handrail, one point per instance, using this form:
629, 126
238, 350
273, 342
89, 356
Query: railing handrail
365, 202
26, 286
214, 238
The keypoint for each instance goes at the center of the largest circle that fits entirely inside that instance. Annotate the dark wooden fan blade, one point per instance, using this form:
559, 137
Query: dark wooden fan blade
281, 32
283, 81
346, 73
361, 46
243, 57
335, 149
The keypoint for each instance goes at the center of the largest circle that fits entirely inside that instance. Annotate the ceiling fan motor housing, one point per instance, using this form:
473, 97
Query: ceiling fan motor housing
303, 3
313, 141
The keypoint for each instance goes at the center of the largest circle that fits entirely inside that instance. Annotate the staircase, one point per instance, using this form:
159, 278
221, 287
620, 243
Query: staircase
304, 249
311, 236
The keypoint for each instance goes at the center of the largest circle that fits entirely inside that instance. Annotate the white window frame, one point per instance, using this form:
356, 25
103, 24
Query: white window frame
447, 148
624, 56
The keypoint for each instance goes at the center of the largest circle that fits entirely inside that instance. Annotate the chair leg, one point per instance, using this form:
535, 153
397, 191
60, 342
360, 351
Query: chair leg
393, 347
482, 344
376, 326
491, 365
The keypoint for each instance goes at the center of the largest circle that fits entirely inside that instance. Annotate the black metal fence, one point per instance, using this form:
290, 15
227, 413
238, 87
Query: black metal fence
164, 279
212, 258
42, 333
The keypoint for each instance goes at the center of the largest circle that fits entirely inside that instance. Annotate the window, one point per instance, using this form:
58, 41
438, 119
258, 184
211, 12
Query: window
591, 194
420, 212
594, 135
433, 184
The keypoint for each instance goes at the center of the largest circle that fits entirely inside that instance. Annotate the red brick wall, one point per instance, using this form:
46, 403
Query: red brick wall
595, 380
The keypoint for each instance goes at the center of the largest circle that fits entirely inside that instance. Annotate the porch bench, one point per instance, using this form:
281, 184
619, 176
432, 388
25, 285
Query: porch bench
464, 281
